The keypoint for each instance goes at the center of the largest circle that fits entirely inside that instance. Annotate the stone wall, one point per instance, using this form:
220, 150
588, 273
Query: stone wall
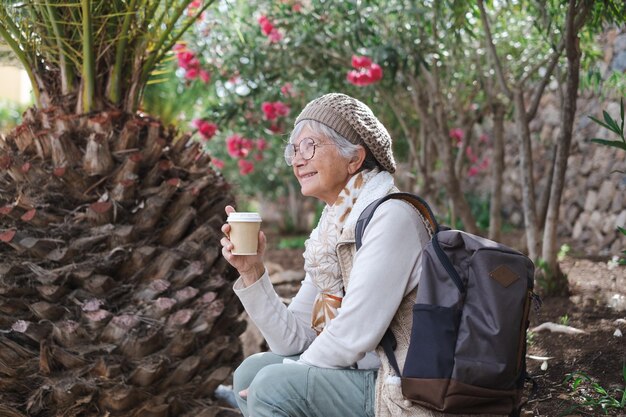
594, 200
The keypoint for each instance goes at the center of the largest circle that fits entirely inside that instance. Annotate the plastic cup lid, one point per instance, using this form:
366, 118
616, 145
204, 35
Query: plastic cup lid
244, 217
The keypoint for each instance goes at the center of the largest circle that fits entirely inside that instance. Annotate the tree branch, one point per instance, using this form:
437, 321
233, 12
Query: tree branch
492, 50
554, 59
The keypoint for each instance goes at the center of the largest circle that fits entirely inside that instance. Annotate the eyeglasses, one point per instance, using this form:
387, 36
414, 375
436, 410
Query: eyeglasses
306, 149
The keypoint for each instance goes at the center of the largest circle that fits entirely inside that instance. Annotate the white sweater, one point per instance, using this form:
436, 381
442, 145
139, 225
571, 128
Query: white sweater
385, 269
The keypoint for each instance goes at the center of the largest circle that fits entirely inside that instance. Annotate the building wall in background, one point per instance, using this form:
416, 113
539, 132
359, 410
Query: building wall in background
14, 85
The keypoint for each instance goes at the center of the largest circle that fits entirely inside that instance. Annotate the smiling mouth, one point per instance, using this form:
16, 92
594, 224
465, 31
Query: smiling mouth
309, 175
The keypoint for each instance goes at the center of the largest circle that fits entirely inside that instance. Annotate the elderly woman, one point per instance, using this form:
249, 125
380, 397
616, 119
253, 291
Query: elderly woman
323, 361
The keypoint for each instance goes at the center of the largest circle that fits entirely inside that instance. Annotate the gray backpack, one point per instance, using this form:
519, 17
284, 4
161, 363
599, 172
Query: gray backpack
468, 340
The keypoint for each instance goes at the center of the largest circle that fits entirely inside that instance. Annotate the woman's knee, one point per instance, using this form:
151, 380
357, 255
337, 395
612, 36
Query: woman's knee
276, 383
247, 370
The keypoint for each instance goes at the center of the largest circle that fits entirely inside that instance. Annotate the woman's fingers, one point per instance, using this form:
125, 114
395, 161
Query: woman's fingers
243, 393
229, 209
226, 244
262, 242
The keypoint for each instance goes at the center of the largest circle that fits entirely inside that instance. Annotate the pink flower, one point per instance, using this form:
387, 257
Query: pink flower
287, 90
269, 110
281, 108
193, 7
191, 74
206, 129
236, 146
275, 36
457, 135
261, 144
219, 164
266, 25
376, 72
361, 61
268, 29
365, 73
484, 164
205, 76
297, 7
247, 145
275, 128
473, 171
470, 155
245, 167
484, 138
258, 156
359, 78
186, 59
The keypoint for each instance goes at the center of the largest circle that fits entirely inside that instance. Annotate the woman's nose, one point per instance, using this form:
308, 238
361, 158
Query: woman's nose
297, 159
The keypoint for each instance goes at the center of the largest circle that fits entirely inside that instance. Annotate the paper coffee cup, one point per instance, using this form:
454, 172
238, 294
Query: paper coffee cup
244, 232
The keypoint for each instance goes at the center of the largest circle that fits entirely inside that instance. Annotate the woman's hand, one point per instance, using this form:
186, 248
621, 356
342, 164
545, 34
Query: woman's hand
250, 267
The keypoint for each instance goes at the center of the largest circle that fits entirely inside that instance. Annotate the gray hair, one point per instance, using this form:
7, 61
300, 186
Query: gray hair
347, 149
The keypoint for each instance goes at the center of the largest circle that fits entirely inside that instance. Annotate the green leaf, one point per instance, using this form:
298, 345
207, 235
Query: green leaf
612, 143
621, 229
601, 123
610, 121
621, 111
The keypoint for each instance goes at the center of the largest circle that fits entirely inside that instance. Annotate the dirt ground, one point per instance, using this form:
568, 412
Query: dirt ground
597, 306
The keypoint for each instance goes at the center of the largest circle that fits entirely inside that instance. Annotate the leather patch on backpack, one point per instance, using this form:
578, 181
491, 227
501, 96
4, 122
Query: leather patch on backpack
504, 275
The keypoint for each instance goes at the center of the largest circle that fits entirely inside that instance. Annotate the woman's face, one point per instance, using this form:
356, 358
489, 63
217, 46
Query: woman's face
324, 175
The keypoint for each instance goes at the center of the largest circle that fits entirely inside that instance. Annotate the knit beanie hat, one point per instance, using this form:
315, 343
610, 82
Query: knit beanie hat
354, 121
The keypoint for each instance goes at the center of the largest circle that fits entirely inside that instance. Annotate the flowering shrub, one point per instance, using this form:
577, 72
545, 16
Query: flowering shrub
206, 129
269, 30
365, 72
476, 167
189, 62
273, 110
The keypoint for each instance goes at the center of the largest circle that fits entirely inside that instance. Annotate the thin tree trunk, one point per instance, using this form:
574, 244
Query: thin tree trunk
568, 113
544, 200
526, 167
438, 130
414, 161
497, 170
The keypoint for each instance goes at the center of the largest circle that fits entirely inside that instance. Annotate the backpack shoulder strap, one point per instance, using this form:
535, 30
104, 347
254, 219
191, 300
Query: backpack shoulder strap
417, 202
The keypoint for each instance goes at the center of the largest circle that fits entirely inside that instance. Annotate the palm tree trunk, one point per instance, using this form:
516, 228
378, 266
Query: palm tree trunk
113, 288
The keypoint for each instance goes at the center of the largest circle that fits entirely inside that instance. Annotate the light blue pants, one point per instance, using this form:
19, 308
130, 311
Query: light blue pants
277, 389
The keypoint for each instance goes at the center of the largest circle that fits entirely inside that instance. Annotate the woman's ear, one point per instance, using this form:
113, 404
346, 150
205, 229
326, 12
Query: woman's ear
357, 161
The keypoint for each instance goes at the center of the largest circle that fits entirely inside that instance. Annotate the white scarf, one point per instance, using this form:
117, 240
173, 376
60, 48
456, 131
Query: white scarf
320, 256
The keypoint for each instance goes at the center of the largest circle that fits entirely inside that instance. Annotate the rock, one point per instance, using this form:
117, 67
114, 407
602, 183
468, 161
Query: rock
273, 268
595, 178
580, 225
546, 133
605, 195
585, 167
619, 62
551, 115
618, 201
618, 246
287, 277
620, 221
516, 218
595, 220
619, 44
609, 222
